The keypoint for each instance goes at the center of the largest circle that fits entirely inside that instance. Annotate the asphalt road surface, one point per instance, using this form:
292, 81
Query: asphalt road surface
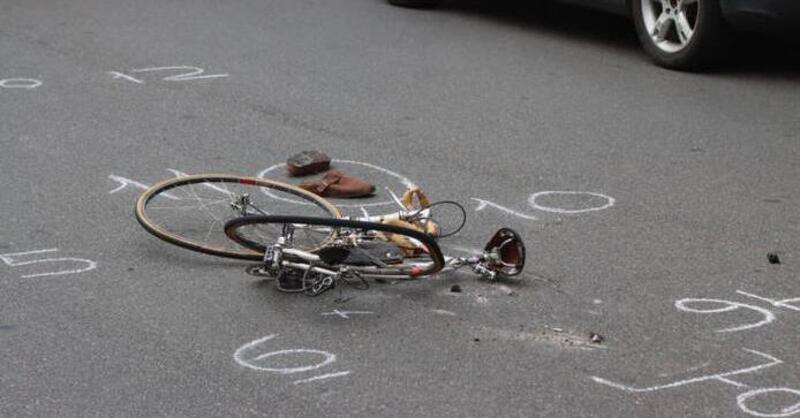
685, 183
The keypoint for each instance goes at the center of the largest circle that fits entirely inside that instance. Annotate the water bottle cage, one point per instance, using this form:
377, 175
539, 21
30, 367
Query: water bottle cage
273, 255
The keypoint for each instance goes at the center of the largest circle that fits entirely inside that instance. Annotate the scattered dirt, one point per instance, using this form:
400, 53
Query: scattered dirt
562, 339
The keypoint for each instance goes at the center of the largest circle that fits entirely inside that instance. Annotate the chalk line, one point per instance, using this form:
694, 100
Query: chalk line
723, 377
768, 315
483, 203
238, 356
8, 259
344, 314
532, 201
784, 303
20, 83
118, 75
321, 377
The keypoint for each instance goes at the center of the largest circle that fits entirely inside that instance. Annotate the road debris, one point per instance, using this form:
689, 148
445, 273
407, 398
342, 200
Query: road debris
547, 337
773, 258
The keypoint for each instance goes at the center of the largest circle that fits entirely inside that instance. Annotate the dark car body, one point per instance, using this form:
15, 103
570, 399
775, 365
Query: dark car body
745, 15
763, 15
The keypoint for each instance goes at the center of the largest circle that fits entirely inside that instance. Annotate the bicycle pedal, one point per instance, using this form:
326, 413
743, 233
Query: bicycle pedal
259, 270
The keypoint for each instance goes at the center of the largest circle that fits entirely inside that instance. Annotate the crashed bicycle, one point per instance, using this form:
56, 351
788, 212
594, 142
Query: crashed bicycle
303, 240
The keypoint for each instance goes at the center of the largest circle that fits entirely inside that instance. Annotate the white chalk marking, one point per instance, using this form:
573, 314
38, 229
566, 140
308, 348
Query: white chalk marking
321, 377
732, 382
212, 186
395, 198
240, 353
124, 182
792, 409
344, 314
8, 257
237, 355
691, 369
532, 201
118, 75
731, 306
20, 83
742, 399
329, 358
9, 260
722, 377
177, 173
483, 203
193, 74
784, 303
403, 180
443, 312
364, 212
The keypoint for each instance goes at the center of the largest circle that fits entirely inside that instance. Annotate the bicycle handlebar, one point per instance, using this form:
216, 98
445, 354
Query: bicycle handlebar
402, 215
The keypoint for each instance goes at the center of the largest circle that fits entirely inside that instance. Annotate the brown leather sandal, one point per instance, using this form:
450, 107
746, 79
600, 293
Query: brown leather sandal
337, 184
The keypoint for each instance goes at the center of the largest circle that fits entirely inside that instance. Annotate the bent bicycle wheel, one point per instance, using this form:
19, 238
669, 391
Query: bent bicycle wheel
425, 263
191, 211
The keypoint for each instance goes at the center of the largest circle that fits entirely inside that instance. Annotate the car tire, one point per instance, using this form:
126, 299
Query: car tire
682, 34
413, 3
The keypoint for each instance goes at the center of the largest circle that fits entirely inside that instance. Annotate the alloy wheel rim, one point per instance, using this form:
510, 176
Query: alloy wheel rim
671, 24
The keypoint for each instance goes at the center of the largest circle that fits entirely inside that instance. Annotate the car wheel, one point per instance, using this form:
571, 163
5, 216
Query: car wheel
682, 34
413, 3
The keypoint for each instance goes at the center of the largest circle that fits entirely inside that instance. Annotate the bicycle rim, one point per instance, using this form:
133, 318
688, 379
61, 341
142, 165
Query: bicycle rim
427, 263
191, 211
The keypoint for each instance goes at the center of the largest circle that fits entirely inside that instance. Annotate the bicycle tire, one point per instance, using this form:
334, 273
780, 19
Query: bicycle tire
187, 188
234, 226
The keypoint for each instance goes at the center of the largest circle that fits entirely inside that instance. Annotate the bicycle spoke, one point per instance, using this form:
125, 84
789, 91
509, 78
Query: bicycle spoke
213, 202
204, 207
210, 228
205, 203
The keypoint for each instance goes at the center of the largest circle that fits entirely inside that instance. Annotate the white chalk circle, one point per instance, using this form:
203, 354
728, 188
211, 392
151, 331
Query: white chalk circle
239, 356
742, 399
20, 83
402, 179
328, 358
532, 201
727, 307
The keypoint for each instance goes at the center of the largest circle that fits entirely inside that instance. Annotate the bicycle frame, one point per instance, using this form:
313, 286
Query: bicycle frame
241, 203
278, 258
281, 259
